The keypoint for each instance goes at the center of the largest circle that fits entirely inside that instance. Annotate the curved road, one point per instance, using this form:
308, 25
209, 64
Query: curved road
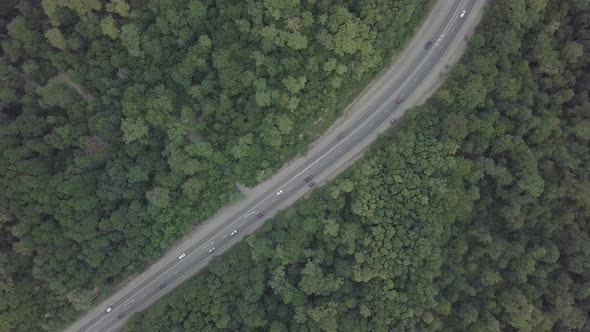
388, 103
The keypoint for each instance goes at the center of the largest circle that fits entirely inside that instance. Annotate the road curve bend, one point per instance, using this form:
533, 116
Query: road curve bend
380, 104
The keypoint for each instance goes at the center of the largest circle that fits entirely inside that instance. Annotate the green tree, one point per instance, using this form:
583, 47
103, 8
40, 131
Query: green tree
56, 39
158, 197
134, 130
130, 39
109, 27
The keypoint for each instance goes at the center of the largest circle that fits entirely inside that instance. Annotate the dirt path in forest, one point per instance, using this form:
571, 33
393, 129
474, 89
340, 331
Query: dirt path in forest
87, 96
61, 77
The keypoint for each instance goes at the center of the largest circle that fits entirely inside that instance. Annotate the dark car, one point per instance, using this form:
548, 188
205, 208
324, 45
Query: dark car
163, 285
308, 178
260, 215
398, 100
428, 45
340, 135
311, 184
121, 316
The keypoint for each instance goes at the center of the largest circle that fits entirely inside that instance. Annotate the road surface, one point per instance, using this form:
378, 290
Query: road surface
382, 111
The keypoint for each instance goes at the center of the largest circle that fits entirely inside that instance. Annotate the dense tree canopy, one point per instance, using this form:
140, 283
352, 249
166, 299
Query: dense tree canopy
124, 122
473, 215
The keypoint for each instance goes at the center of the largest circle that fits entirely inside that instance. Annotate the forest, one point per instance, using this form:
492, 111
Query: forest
124, 123
471, 215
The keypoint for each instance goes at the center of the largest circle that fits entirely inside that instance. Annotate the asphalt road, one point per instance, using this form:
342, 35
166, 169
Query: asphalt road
176, 270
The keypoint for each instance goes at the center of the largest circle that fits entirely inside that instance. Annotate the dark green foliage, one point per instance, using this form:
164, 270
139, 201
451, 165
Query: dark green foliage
472, 216
522, 261
124, 123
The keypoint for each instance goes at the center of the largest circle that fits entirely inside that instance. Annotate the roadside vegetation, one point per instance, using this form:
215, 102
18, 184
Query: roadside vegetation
125, 122
472, 215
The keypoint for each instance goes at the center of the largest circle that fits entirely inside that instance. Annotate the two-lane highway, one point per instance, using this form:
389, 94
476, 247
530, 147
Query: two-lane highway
226, 234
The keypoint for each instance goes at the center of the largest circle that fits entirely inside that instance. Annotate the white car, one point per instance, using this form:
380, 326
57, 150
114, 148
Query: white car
183, 255
234, 232
463, 13
109, 309
212, 249
279, 192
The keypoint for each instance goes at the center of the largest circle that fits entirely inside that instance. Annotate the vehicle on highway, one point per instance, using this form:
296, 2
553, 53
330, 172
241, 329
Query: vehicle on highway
340, 135
163, 285
260, 215
212, 249
311, 184
234, 232
121, 315
278, 193
398, 100
463, 13
109, 309
428, 45
183, 255
308, 178
392, 121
